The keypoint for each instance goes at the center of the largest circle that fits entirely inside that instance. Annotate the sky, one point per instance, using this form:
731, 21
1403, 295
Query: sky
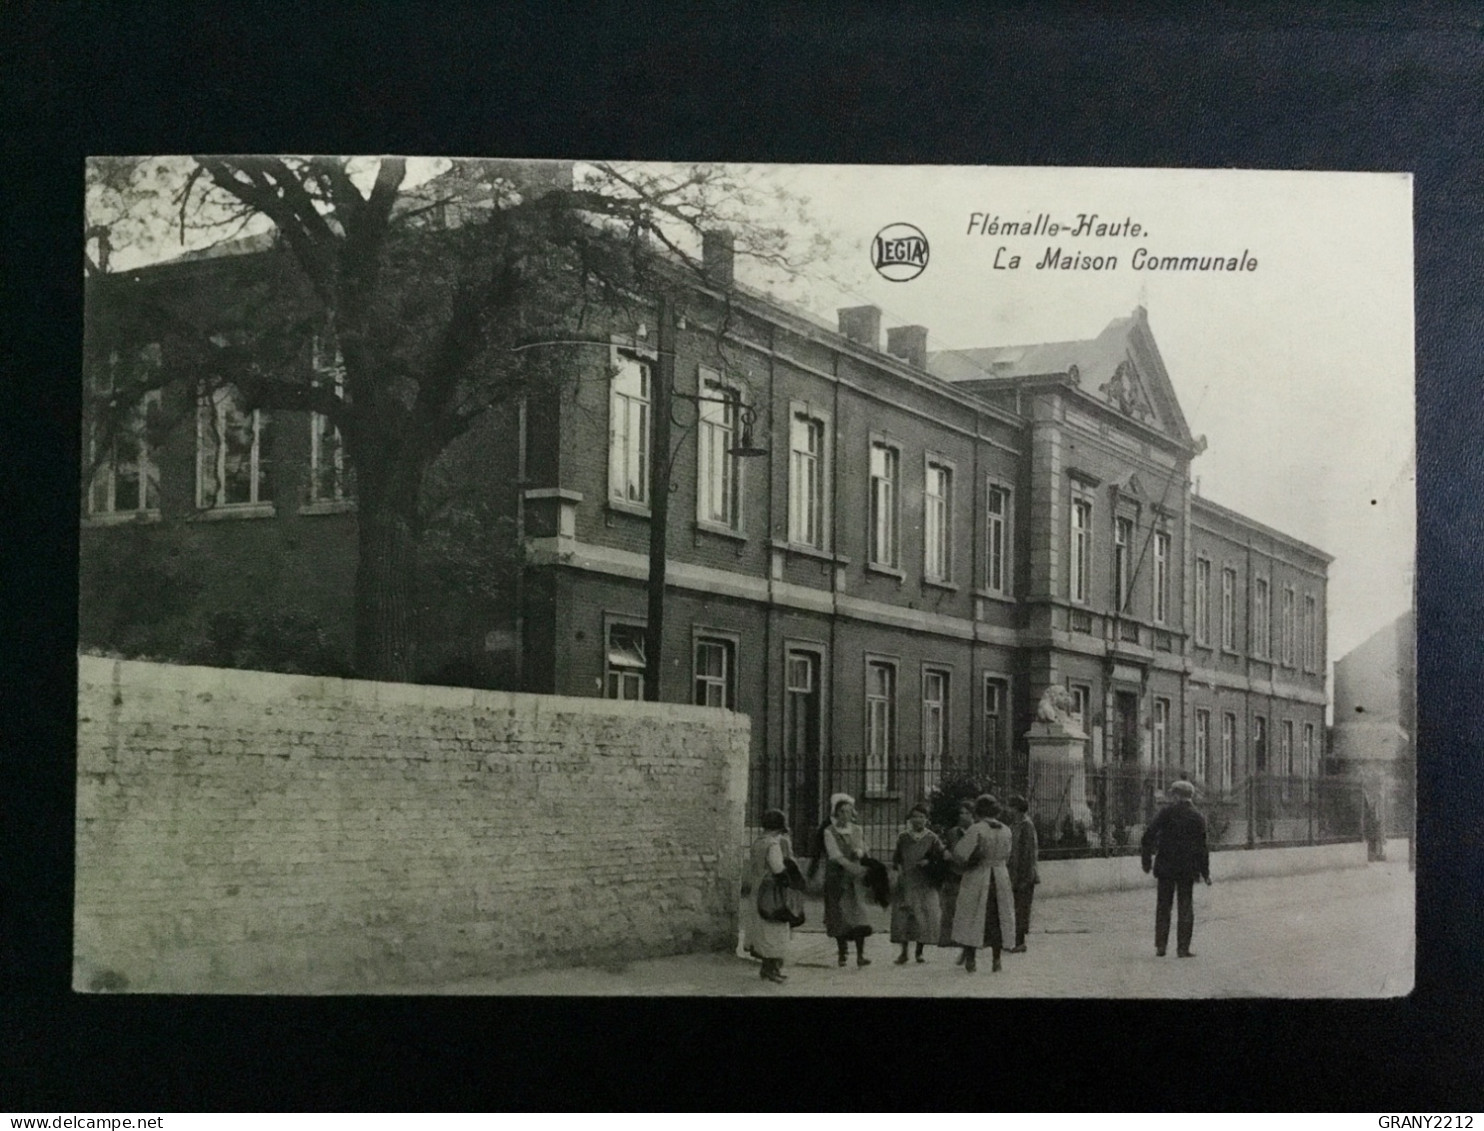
1300, 373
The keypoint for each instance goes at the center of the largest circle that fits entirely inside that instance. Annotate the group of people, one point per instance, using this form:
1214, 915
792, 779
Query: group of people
970, 889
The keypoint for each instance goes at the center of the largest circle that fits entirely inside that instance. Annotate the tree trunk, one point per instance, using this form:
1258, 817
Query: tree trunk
386, 583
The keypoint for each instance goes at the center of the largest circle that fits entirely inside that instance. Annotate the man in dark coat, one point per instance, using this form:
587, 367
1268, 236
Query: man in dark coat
1176, 843
1024, 849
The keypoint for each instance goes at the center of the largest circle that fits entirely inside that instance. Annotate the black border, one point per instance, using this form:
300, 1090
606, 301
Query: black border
1341, 87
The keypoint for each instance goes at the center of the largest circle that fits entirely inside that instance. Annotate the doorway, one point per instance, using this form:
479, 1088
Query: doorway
802, 726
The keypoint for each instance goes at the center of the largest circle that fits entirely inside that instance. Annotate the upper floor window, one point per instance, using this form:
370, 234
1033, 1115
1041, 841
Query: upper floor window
1123, 540
330, 476
1261, 617
1311, 633
1080, 562
998, 539
885, 479
715, 668
719, 473
806, 479
126, 476
624, 662
231, 452
1161, 577
1229, 610
1286, 629
628, 434
937, 520
1202, 601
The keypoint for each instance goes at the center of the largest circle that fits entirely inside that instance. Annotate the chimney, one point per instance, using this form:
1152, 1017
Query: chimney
908, 343
862, 324
718, 256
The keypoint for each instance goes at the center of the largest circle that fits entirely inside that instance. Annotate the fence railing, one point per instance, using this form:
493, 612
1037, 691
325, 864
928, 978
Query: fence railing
1103, 813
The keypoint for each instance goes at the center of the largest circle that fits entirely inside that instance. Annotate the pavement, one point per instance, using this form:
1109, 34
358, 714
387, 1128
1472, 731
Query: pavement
1336, 934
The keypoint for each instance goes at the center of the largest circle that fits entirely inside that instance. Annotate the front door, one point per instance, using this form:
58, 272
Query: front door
801, 721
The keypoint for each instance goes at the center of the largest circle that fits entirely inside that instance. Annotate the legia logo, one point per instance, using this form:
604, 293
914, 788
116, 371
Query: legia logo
899, 252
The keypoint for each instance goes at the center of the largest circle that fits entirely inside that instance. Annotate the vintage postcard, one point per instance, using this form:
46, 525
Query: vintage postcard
533, 577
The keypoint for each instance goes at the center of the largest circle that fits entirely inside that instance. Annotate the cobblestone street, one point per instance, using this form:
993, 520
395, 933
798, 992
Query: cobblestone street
1342, 933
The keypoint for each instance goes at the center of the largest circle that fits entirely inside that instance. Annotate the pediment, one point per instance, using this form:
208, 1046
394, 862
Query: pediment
1126, 393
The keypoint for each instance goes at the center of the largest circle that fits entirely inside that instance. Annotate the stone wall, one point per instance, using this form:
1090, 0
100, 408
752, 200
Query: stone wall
245, 832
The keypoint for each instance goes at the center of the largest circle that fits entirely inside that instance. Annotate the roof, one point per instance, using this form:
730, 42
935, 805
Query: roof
1237, 518
1095, 359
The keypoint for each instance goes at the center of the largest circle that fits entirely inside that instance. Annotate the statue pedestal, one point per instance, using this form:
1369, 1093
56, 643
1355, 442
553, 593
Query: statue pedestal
1058, 775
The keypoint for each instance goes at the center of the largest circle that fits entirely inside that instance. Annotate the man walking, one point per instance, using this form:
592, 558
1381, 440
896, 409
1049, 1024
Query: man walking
1024, 849
1176, 843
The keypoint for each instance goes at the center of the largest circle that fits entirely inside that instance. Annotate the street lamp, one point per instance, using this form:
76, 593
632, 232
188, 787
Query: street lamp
659, 487
660, 470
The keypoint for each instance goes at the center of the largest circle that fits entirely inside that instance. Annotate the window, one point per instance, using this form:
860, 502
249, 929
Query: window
628, 435
1161, 577
806, 480
1285, 755
1311, 633
1161, 738
1202, 601
1229, 610
1081, 550
998, 543
881, 725
996, 719
1228, 751
1202, 744
330, 478
715, 668
1308, 752
1259, 745
885, 473
625, 664
719, 473
126, 478
1261, 626
1123, 539
1081, 709
934, 725
937, 517
1286, 627
231, 452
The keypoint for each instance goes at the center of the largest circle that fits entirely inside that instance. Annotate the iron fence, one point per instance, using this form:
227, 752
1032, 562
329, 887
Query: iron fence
1101, 812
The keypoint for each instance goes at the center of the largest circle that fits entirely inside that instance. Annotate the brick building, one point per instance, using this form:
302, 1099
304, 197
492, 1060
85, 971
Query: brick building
933, 539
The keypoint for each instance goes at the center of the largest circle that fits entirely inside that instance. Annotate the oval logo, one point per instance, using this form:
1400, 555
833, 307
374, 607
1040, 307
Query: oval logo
899, 252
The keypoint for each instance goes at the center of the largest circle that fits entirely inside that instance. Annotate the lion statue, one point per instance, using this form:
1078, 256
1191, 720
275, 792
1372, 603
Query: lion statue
1055, 706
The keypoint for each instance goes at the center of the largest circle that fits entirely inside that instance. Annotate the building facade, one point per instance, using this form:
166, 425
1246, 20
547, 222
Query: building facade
931, 541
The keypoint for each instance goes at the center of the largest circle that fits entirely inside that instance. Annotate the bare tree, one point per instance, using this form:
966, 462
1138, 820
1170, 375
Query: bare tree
431, 290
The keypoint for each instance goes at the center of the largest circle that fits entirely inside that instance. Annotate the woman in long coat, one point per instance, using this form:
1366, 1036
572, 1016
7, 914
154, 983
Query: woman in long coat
915, 912
985, 887
949, 898
769, 941
845, 918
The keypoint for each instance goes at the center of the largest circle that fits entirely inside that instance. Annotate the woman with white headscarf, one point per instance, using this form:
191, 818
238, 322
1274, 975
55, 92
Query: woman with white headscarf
841, 847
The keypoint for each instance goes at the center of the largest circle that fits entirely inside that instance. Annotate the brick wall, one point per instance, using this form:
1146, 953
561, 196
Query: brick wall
242, 832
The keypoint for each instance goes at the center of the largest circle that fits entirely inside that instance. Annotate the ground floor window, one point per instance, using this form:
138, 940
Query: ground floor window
881, 725
625, 662
715, 665
1202, 744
